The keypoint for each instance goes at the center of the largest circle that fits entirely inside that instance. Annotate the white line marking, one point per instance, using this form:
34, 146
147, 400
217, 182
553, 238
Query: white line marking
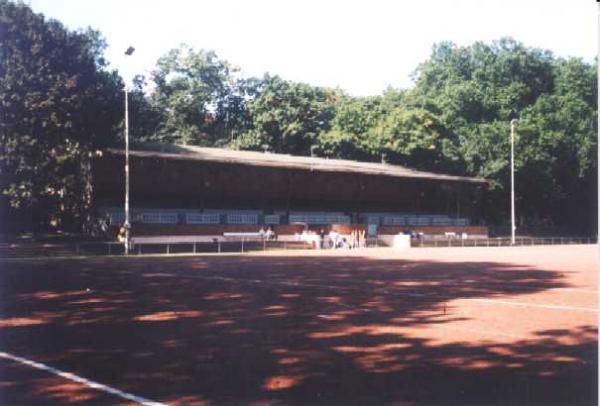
525, 304
83, 381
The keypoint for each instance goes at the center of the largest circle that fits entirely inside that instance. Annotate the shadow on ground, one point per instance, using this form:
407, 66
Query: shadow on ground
303, 330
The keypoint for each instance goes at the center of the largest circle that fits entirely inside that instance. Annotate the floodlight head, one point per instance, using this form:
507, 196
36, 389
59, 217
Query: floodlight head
514, 116
129, 51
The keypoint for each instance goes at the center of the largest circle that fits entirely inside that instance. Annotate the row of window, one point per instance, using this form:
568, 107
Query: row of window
155, 217
319, 219
421, 221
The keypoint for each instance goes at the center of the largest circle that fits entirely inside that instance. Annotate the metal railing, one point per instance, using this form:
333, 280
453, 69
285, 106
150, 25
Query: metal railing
8, 250
501, 241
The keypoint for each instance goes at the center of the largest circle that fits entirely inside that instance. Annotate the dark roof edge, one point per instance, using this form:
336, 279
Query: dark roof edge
297, 162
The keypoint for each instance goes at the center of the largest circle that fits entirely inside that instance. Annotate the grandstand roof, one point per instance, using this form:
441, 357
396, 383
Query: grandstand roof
227, 156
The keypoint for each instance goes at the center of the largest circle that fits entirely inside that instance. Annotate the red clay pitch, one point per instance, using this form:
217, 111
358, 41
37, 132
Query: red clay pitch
446, 325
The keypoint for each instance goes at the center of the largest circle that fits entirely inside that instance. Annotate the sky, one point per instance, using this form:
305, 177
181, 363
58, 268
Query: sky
359, 46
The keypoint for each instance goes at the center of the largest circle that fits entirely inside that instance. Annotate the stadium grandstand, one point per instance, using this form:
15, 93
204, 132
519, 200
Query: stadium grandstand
187, 193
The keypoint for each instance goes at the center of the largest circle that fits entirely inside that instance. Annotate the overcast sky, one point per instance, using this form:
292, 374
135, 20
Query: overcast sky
359, 46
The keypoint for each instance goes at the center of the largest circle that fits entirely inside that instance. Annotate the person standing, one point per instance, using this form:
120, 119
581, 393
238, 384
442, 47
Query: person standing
322, 238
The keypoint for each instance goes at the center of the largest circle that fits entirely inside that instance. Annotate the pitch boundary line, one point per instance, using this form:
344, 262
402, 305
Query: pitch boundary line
81, 380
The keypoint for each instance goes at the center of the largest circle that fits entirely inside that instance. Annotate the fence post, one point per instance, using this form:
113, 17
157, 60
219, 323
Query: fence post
109, 248
139, 249
475, 242
194, 247
219, 246
264, 244
242, 245
285, 245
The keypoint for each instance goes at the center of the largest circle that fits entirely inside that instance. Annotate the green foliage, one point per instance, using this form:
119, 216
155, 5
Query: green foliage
417, 138
196, 100
483, 83
58, 105
390, 127
188, 84
287, 117
475, 88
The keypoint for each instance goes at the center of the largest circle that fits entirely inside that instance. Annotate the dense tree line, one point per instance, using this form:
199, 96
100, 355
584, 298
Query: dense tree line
61, 102
58, 104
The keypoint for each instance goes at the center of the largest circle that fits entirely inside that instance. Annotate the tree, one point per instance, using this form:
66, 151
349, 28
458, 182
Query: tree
287, 117
190, 86
390, 126
474, 89
557, 158
59, 104
352, 120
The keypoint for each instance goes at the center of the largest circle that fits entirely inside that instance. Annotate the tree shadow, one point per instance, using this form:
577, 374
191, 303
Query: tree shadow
330, 330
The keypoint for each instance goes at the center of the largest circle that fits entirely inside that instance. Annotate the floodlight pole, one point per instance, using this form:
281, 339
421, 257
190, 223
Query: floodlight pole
513, 124
598, 143
598, 129
127, 224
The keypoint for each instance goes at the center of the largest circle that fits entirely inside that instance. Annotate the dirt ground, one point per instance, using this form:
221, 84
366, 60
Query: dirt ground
374, 326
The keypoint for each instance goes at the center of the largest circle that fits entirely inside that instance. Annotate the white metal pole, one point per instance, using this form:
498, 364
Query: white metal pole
598, 129
127, 224
598, 147
127, 218
513, 227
